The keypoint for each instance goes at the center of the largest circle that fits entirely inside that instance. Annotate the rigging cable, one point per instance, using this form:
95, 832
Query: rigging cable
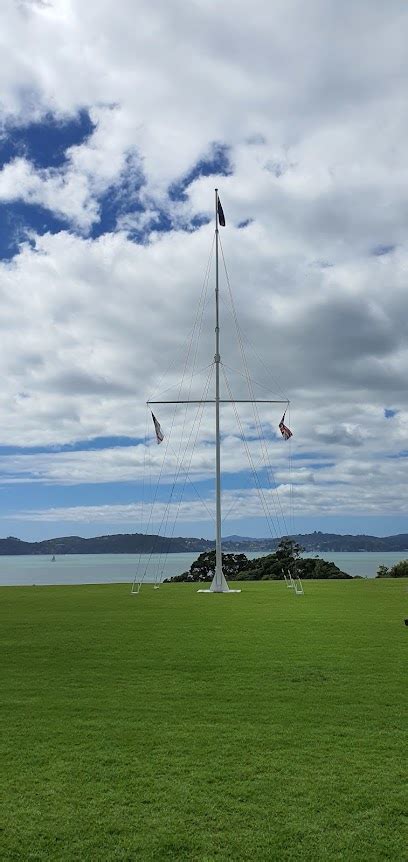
138, 564
264, 504
189, 340
197, 325
258, 424
196, 422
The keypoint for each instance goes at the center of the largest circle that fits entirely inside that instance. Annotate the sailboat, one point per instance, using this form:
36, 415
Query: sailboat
219, 583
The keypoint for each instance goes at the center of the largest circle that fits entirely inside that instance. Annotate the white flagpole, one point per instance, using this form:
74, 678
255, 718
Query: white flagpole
219, 584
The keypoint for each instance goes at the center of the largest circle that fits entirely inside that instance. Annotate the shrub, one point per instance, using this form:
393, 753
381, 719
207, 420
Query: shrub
383, 572
400, 570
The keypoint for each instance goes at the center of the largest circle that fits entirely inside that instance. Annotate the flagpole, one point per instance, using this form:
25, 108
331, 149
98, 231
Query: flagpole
217, 584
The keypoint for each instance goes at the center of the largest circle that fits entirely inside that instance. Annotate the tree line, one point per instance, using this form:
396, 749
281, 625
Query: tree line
400, 570
273, 567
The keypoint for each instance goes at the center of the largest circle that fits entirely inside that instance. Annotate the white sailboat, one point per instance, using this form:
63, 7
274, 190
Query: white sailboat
219, 583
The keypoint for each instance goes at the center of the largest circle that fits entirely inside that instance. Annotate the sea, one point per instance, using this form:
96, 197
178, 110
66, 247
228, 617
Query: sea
122, 568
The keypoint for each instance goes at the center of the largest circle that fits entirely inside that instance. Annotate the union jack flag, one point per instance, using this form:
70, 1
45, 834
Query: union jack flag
285, 431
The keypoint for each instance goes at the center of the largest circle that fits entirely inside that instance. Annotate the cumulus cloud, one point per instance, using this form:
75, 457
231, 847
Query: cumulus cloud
334, 493
64, 193
330, 121
308, 102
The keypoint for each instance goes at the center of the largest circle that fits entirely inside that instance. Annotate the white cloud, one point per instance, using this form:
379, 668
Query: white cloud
72, 191
90, 327
65, 193
379, 489
179, 79
310, 102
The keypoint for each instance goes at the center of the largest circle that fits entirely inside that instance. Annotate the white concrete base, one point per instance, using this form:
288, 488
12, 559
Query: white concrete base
219, 585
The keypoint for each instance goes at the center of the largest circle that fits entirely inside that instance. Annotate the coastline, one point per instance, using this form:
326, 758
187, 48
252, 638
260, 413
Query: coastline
91, 569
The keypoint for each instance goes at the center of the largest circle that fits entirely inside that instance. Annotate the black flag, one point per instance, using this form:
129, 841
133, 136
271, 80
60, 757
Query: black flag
221, 216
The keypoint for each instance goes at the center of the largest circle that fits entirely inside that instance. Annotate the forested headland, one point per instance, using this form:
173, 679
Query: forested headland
272, 567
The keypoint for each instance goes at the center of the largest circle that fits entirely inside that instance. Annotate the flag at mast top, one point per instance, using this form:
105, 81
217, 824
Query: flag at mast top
220, 211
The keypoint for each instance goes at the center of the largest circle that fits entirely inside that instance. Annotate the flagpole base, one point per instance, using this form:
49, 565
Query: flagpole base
219, 585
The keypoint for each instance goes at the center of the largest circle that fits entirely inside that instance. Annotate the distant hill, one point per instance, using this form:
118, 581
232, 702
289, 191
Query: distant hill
241, 539
136, 543
123, 543
333, 542
326, 542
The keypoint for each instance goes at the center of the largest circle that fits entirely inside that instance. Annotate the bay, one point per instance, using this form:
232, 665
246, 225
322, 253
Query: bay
119, 568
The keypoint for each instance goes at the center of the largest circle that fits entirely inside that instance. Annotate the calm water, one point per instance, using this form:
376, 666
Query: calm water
117, 568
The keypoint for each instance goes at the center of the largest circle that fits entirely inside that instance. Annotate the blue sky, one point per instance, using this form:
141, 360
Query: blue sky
107, 177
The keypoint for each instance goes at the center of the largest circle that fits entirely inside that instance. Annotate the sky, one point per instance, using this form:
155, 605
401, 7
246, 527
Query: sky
117, 122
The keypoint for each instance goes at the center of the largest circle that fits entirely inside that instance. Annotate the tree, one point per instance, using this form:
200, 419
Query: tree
400, 570
288, 550
272, 567
263, 569
322, 569
287, 559
383, 572
203, 568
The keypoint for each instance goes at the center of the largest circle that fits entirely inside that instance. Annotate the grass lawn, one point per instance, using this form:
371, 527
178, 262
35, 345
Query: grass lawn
177, 726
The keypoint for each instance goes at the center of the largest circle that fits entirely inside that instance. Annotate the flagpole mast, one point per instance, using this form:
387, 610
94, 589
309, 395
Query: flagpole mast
217, 584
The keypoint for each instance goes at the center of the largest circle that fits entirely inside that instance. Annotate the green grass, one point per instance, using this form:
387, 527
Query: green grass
177, 726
